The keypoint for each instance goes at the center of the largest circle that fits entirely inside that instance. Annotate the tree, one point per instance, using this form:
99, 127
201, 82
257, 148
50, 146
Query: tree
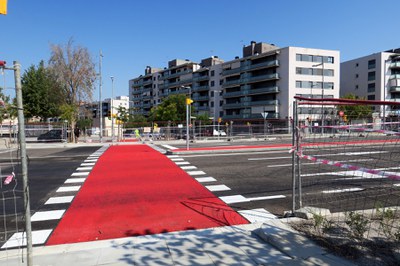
41, 93
74, 69
173, 108
356, 111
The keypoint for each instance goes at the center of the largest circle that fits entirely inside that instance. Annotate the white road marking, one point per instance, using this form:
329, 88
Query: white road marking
87, 164
289, 164
68, 189
342, 190
74, 180
267, 197
84, 168
176, 159
271, 158
205, 179
169, 147
240, 198
80, 174
47, 215
257, 215
191, 167
60, 200
173, 156
90, 161
196, 173
19, 239
234, 199
182, 163
218, 188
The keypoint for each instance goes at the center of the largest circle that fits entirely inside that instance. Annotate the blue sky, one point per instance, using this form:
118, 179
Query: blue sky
134, 34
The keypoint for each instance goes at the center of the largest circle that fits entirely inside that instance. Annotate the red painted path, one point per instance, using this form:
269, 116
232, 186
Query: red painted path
135, 190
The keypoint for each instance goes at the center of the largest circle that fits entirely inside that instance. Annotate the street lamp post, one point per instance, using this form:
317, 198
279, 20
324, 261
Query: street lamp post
322, 86
111, 111
100, 102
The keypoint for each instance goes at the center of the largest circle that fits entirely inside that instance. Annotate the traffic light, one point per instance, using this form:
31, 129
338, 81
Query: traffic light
2, 63
189, 101
3, 7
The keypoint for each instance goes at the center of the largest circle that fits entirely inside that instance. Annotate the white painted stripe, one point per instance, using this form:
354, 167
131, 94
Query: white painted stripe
205, 179
218, 188
267, 197
257, 215
182, 163
342, 190
234, 199
92, 158
47, 215
80, 174
289, 164
191, 167
271, 158
170, 147
86, 168
173, 156
19, 239
60, 200
176, 159
90, 161
74, 180
195, 173
87, 164
68, 189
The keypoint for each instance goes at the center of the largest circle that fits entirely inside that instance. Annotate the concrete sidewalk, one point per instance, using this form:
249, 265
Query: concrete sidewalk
271, 243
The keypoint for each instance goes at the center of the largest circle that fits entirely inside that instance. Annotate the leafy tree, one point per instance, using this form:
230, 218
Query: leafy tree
73, 67
5, 106
41, 93
356, 111
173, 108
204, 118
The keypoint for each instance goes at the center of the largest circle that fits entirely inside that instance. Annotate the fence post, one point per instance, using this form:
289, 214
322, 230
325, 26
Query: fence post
294, 132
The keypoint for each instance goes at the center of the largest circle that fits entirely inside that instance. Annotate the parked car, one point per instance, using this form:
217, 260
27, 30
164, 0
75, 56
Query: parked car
54, 135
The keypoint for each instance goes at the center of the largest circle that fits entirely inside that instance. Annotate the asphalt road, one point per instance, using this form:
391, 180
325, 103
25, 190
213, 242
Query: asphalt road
47, 171
266, 177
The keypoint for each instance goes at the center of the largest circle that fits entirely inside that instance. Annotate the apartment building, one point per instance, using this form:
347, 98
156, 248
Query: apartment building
266, 78
262, 82
375, 77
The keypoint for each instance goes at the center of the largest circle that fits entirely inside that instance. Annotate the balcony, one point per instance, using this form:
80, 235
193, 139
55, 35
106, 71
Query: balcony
234, 94
274, 89
232, 82
176, 74
201, 98
394, 65
261, 78
201, 88
200, 78
231, 71
273, 63
394, 89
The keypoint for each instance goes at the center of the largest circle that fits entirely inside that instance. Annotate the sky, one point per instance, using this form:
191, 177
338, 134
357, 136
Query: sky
133, 34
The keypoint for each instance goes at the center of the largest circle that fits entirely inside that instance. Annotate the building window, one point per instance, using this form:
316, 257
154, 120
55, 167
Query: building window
221, 81
356, 87
212, 94
371, 75
371, 64
356, 76
314, 58
371, 97
212, 73
212, 83
357, 64
371, 87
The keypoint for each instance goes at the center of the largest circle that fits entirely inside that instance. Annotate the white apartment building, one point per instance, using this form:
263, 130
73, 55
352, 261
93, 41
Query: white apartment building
263, 81
374, 77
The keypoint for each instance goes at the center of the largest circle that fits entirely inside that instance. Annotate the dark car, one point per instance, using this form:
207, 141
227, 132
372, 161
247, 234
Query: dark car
54, 135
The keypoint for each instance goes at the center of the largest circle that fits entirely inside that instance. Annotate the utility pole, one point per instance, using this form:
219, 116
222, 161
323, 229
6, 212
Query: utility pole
24, 163
100, 102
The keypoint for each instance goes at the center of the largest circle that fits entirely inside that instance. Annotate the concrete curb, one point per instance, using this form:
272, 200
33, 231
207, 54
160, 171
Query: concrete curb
296, 246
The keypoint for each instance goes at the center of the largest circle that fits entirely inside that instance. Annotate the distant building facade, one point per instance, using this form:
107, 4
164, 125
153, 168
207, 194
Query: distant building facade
263, 81
374, 77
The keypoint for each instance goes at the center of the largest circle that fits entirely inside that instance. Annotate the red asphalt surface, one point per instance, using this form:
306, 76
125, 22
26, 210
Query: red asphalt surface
135, 190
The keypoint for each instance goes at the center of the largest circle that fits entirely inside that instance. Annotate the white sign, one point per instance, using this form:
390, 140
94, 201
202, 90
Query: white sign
264, 114
180, 126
